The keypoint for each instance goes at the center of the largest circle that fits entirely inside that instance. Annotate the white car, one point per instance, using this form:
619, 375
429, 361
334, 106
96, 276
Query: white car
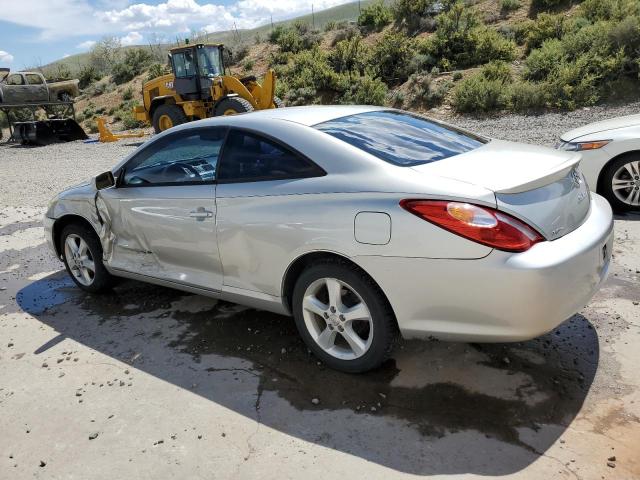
611, 158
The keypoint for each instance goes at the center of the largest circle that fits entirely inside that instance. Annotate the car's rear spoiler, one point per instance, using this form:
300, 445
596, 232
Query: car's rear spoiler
3, 73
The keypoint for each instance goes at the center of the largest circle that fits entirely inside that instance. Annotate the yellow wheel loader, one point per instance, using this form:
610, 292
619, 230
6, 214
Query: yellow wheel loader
200, 87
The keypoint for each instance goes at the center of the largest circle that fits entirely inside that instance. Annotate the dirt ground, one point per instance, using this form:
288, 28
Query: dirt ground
148, 382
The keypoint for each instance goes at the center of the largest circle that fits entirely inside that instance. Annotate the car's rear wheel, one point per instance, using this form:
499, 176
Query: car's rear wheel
621, 183
343, 316
82, 256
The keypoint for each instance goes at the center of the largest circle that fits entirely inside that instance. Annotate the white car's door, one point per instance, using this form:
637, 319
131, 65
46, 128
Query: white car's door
162, 211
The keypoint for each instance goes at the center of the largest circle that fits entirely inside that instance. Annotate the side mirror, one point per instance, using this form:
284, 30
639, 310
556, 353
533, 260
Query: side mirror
105, 180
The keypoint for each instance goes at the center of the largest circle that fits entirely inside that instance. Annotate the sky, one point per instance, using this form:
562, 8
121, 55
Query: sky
37, 32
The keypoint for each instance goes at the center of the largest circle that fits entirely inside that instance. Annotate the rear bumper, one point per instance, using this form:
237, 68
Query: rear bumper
503, 296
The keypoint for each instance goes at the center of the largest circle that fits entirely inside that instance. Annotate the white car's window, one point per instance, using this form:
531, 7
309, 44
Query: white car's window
188, 157
251, 157
401, 138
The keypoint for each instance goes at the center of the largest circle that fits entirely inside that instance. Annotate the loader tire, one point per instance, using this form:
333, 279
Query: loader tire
278, 102
167, 116
233, 106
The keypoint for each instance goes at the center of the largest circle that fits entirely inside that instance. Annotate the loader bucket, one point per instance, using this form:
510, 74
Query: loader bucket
45, 132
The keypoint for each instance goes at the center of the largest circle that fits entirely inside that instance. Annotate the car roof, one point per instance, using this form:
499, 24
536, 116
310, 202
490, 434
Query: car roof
306, 115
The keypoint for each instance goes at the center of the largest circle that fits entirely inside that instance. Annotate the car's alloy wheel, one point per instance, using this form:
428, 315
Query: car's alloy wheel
79, 259
343, 316
626, 183
82, 255
337, 318
620, 182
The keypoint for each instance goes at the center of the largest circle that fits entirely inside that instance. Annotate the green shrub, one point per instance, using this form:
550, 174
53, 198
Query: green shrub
507, 6
390, 57
300, 96
129, 121
345, 33
294, 38
156, 70
395, 98
135, 61
310, 69
375, 16
496, 70
127, 94
365, 90
248, 65
546, 4
461, 40
457, 76
490, 45
423, 91
88, 75
279, 58
542, 61
478, 94
92, 126
595, 10
348, 55
330, 25
527, 96
546, 26
421, 62
408, 14
239, 53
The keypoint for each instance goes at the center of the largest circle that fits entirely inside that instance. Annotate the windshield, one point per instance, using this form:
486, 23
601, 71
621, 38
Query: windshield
401, 138
209, 61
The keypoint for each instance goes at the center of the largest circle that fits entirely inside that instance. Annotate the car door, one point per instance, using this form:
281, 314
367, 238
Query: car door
37, 88
256, 223
162, 211
15, 89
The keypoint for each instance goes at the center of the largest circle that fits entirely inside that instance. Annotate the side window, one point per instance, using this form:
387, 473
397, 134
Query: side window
250, 157
15, 79
33, 79
188, 157
184, 65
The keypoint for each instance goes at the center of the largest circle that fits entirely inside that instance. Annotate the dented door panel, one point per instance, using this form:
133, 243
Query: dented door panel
166, 232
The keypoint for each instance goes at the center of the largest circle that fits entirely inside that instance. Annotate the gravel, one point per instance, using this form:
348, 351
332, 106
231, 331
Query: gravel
55, 167
541, 129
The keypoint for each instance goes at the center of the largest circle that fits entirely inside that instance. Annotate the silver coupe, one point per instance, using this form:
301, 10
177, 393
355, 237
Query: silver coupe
360, 222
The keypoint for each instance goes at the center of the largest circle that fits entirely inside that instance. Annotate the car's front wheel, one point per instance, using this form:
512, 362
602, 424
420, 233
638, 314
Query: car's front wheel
621, 183
82, 256
343, 316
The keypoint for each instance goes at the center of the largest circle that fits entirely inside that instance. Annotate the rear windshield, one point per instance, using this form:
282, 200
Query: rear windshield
401, 138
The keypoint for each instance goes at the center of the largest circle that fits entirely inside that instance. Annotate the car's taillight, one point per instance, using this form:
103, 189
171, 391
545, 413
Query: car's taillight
484, 225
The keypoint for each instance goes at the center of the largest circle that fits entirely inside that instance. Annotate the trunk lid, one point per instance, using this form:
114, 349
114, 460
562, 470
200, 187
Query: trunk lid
541, 186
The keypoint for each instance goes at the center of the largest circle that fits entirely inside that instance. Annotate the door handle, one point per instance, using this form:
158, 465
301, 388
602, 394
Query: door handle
200, 213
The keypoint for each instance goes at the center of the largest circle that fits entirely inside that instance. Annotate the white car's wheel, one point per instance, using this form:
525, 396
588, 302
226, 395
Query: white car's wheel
343, 316
621, 183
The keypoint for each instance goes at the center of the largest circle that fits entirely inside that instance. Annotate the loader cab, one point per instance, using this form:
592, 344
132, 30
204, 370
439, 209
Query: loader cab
195, 67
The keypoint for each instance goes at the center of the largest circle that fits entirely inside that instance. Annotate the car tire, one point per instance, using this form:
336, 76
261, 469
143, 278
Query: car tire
87, 256
167, 116
233, 106
622, 169
65, 97
312, 305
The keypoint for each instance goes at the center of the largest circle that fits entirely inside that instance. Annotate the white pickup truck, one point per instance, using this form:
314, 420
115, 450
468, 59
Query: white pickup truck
32, 87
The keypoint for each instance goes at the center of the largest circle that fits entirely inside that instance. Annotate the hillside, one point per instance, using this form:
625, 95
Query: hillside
448, 57
341, 13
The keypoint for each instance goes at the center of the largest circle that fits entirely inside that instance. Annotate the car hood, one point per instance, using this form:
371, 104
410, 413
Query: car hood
505, 167
603, 126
